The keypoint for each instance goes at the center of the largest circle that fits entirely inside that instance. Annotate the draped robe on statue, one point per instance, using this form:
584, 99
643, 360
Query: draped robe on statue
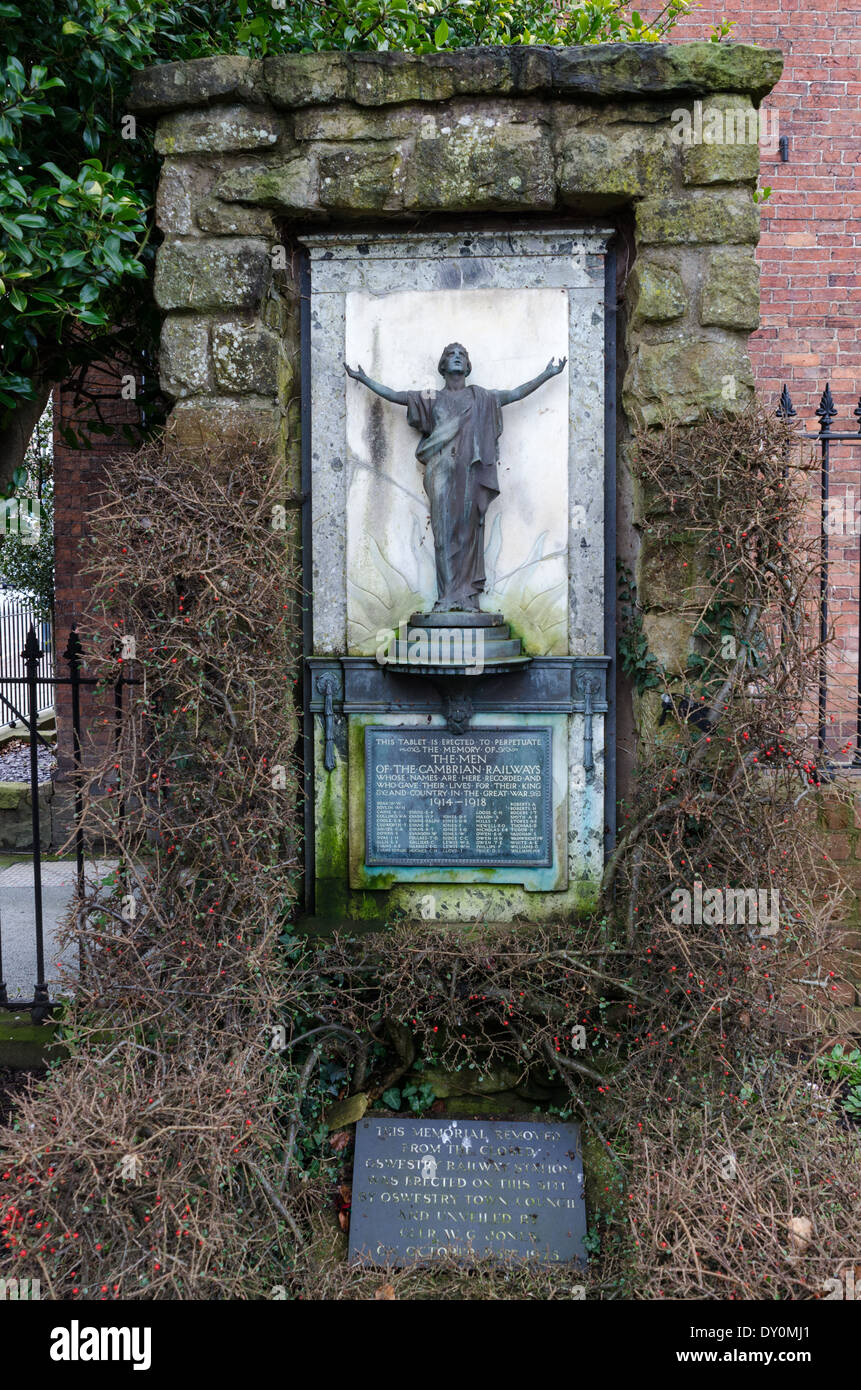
459, 451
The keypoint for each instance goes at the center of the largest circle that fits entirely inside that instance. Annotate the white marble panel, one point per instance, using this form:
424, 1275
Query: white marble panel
510, 336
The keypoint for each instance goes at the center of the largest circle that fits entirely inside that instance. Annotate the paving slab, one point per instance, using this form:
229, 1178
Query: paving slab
17, 919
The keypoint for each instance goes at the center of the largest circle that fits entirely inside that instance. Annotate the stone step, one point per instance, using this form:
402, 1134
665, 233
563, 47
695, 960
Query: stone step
452, 619
501, 651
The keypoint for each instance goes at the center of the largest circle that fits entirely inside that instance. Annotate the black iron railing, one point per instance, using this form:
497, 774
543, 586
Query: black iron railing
17, 616
28, 686
826, 437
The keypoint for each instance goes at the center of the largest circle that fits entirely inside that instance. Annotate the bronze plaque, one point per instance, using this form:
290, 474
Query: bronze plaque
442, 800
427, 1189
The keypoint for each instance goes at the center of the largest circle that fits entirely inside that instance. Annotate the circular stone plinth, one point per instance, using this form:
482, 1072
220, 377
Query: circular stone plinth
452, 619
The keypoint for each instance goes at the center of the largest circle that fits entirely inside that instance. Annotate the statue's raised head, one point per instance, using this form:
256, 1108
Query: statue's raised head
455, 358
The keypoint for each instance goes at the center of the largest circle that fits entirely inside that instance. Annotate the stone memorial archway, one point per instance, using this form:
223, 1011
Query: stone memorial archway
330, 206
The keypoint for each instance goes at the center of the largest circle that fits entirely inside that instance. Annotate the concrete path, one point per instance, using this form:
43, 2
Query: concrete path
17, 919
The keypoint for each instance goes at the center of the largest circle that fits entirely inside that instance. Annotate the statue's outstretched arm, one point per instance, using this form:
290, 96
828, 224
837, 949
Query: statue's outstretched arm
517, 393
359, 374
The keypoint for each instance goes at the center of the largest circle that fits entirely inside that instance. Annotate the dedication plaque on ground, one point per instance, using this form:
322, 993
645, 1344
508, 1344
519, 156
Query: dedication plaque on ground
435, 798
426, 1189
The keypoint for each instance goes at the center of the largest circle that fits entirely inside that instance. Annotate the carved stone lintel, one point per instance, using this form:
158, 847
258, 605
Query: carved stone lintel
327, 684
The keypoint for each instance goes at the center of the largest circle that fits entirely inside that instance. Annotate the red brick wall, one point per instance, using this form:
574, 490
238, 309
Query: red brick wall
810, 275
78, 475
811, 225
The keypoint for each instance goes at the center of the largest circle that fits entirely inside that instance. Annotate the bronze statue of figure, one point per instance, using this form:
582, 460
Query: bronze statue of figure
460, 427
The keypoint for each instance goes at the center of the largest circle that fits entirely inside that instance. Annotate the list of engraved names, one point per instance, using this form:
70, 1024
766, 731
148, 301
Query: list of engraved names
482, 797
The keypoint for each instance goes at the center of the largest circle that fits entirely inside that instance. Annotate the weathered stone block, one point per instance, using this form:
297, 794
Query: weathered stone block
684, 379
306, 79
647, 69
347, 1112
631, 161
291, 186
220, 420
363, 178
615, 70
178, 186
482, 164
657, 293
235, 219
246, 358
219, 218
668, 575
459, 1083
646, 498
571, 114
720, 137
338, 124
184, 357
16, 816
721, 164
207, 274
730, 294
196, 82
388, 79
700, 217
185, 205
670, 638
215, 129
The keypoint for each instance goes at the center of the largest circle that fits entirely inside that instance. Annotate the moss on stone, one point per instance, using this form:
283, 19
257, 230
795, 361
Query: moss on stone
478, 166
168, 86
700, 217
219, 218
504, 1105
668, 575
347, 1112
470, 1082
204, 274
657, 293
600, 1173
13, 794
246, 358
363, 178
721, 163
306, 79
631, 161
291, 186
591, 71
670, 637
684, 379
215, 129
184, 357
730, 293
